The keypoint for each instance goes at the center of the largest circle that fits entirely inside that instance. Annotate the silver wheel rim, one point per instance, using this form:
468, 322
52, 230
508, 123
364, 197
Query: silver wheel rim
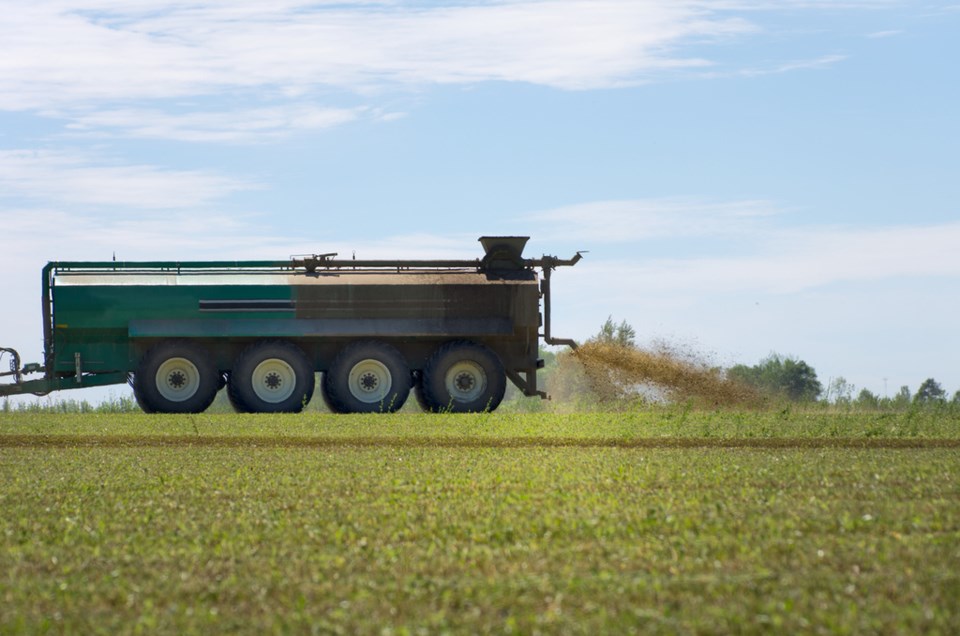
177, 379
370, 381
465, 381
274, 380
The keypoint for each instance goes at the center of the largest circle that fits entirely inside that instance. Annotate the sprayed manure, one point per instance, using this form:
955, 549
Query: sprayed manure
616, 373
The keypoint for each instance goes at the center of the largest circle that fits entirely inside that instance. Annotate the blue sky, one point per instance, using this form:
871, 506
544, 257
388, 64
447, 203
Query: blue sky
748, 176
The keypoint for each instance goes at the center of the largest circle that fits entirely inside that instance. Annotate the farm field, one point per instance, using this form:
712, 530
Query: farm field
661, 520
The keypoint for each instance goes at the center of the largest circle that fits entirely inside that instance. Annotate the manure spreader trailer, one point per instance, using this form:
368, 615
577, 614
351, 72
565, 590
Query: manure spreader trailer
452, 330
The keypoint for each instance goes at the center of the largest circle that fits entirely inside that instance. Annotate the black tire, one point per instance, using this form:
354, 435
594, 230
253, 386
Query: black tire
235, 401
271, 376
462, 377
138, 396
367, 377
176, 376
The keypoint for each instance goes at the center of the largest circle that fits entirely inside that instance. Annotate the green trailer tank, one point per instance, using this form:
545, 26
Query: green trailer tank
453, 331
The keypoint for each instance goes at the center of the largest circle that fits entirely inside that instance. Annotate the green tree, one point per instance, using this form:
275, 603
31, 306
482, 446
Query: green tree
903, 397
930, 392
956, 398
781, 376
839, 391
866, 399
611, 333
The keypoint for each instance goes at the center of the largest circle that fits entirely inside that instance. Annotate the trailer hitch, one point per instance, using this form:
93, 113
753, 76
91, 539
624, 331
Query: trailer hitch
46, 384
15, 369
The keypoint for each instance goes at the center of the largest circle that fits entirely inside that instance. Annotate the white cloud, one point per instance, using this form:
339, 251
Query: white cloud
56, 54
250, 125
797, 65
642, 219
769, 255
37, 233
884, 34
278, 60
82, 180
791, 260
137, 236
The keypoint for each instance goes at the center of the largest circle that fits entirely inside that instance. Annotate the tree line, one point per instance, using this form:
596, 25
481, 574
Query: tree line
793, 379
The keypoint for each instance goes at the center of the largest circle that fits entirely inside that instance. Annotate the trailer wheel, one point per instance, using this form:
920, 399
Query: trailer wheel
463, 377
367, 377
238, 405
145, 406
175, 376
271, 376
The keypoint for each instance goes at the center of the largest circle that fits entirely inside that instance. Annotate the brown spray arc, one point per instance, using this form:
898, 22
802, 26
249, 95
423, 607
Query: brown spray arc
615, 373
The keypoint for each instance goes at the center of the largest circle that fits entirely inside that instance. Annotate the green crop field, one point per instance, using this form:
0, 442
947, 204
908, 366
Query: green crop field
658, 520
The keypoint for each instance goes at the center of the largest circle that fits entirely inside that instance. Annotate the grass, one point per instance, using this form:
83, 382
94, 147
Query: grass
665, 520
640, 424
